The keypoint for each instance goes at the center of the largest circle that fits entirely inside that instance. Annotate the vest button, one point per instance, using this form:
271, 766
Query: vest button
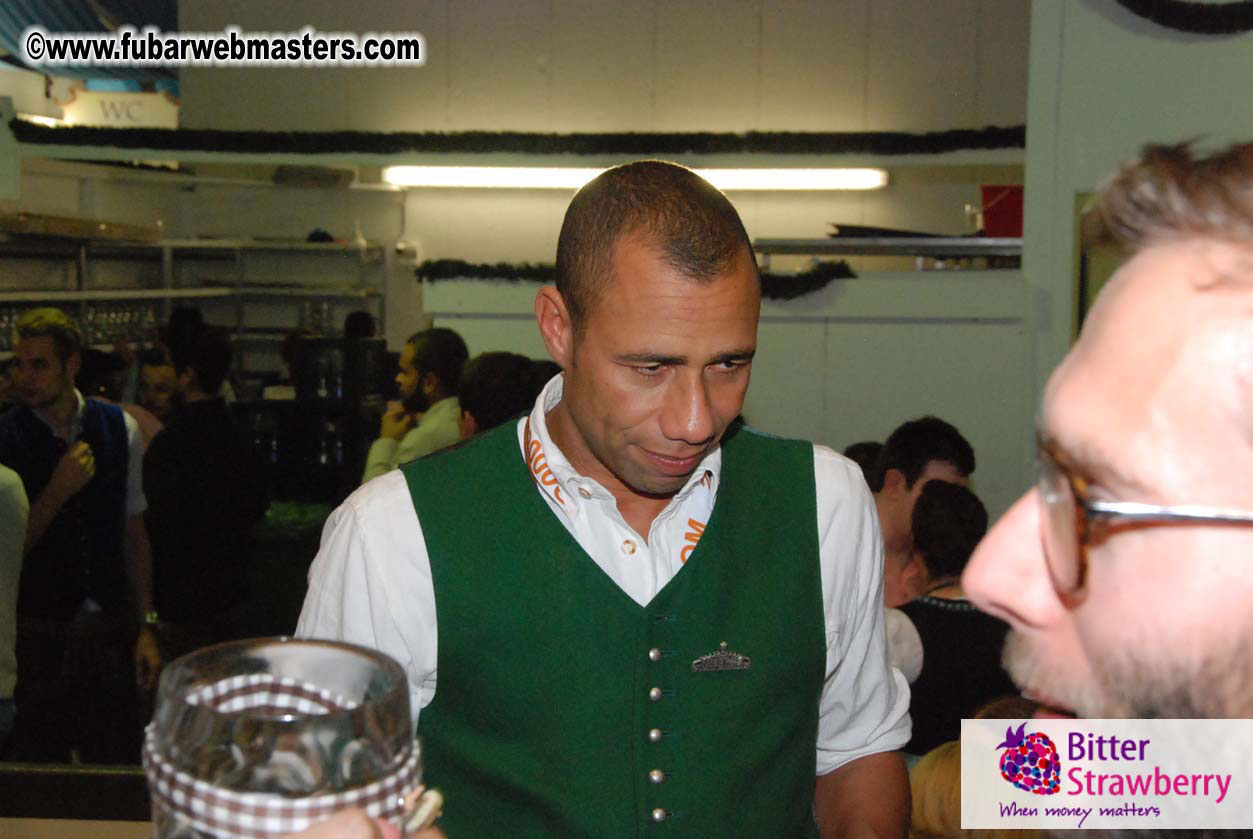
628, 547
654, 654
660, 815
654, 694
654, 735
656, 776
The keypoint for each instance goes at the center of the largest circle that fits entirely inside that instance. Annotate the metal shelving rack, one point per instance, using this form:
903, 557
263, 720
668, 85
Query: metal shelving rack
82, 292
922, 247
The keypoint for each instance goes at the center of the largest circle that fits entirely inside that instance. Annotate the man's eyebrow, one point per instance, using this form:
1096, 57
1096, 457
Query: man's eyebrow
678, 360
734, 355
1092, 463
652, 358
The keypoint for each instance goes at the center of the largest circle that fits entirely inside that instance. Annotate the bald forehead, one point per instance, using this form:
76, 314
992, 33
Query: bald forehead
1163, 307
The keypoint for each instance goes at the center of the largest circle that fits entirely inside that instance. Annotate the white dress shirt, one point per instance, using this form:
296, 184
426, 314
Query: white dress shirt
904, 645
371, 583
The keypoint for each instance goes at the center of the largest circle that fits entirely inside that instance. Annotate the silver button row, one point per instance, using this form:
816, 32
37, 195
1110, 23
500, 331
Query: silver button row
656, 776
654, 694
654, 735
654, 654
660, 815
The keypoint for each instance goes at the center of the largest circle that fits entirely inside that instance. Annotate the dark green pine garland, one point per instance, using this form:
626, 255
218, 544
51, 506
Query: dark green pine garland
1200, 18
627, 144
773, 286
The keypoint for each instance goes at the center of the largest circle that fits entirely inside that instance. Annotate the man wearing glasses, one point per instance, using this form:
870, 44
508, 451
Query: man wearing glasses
1125, 573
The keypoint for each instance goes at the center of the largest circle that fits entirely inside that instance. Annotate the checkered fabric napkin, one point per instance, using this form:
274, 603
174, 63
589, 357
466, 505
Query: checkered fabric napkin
262, 693
227, 814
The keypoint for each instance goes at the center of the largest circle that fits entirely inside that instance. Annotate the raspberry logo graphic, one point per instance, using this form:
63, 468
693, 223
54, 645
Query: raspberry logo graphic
1030, 762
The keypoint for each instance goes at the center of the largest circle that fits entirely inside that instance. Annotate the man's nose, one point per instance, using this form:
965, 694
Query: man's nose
687, 415
1007, 575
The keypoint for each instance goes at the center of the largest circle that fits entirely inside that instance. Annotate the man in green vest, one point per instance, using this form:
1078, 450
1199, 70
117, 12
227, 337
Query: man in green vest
627, 614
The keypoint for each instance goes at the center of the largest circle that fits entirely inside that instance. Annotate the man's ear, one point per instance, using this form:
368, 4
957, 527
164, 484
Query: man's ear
555, 326
914, 577
430, 383
469, 425
894, 481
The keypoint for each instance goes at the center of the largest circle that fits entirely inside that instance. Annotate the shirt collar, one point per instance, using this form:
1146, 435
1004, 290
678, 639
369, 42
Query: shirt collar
447, 405
543, 456
76, 424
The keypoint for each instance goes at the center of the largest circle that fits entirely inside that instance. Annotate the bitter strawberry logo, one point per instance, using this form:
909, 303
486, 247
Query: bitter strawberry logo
1030, 762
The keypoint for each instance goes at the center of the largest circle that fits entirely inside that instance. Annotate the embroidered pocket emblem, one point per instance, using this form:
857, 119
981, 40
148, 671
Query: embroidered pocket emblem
723, 659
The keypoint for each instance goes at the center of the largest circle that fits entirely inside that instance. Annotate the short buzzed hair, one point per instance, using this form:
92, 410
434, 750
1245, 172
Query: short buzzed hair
866, 455
497, 386
441, 351
206, 350
916, 443
948, 522
48, 322
692, 224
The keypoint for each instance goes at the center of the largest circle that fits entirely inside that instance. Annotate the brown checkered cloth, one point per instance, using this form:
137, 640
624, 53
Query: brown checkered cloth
227, 814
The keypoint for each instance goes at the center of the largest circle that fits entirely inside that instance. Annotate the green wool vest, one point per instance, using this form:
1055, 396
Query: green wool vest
565, 709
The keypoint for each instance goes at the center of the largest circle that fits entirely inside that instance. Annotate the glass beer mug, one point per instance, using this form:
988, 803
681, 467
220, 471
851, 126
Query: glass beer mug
259, 738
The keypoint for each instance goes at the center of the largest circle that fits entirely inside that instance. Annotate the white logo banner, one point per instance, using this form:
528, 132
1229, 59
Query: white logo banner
1110, 774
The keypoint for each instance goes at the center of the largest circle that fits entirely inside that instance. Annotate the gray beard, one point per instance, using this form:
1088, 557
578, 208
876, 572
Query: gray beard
1135, 685
1218, 684
1130, 684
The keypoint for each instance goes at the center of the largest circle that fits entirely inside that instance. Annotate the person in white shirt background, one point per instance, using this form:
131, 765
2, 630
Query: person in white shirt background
428, 416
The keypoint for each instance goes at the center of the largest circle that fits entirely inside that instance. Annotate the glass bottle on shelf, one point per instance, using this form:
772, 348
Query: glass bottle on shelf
323, 376
337, 373
8, 319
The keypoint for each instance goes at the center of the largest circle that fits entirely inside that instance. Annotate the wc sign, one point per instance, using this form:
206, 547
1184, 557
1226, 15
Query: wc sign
121, 110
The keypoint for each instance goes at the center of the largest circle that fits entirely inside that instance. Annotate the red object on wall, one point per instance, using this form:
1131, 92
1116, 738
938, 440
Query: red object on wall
1002, 210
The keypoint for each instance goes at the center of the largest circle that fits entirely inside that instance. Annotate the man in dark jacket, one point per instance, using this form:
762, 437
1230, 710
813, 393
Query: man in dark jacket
206, 492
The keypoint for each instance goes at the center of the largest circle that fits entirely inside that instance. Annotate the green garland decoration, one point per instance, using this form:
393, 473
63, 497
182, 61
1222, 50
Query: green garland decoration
773, 286
434, 270
626, 144
1199, 18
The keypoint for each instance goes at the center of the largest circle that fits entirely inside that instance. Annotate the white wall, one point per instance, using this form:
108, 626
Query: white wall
1103, 83
34, 93
645, 66
634, 65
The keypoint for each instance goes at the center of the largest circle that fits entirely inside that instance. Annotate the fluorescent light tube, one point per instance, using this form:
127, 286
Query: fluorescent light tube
546, 177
